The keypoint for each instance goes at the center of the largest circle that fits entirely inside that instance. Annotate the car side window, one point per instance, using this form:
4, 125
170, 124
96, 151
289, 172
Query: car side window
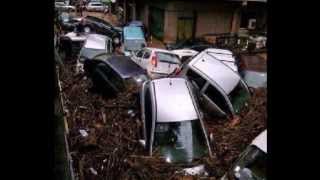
215, 96
140, 53
148, 116
115, 78
112, 76
196, 78
146, 55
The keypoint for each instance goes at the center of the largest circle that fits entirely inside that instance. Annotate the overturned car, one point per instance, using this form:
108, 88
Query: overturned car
220, 89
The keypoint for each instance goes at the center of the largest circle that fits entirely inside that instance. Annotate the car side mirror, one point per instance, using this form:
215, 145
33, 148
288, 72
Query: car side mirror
142, 143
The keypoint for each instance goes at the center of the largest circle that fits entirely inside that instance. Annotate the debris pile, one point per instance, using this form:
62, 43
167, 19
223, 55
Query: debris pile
104, 133
230, 141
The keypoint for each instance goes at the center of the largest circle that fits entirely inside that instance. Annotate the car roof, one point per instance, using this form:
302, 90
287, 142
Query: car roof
135, 23
173, 100
261, 141
96, 41
215, 70
124, 66
160, 50
184, 52
221, 54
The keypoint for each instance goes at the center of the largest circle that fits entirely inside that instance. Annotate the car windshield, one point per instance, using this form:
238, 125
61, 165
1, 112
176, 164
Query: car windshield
239, 96
251, 165
180, 142
166, 57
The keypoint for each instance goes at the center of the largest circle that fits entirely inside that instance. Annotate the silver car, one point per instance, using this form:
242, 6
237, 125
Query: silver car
172, 124
252, 163
220, 88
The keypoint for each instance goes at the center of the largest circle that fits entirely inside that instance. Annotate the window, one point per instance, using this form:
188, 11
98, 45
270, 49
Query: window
196, 78
148, 116
110, 77
239, 96
182, 141
214, 95
166, 57
139, 54
146, 55
116, 79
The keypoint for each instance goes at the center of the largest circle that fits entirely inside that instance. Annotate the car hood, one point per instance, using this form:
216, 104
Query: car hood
184, 52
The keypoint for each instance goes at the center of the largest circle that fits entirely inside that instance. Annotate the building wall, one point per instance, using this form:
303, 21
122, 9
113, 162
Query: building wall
211, 17
216, 21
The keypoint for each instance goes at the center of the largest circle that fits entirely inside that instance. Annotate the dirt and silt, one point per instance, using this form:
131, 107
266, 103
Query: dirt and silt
104, 132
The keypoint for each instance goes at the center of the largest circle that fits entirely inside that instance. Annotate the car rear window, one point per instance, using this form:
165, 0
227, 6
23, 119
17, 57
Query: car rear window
166, 57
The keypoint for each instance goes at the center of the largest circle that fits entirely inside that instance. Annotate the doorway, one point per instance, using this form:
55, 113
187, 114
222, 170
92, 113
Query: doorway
185, 28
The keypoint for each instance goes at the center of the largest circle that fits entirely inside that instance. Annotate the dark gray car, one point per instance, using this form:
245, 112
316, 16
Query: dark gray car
114, 73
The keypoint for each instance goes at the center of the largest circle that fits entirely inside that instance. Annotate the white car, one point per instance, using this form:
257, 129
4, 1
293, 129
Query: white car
223, 55
252, 163
95, 44
96, 6
64, 6
185, 54
157, 62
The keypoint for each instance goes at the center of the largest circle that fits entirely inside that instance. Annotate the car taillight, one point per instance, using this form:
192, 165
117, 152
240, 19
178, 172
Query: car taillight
177, 71
154, 61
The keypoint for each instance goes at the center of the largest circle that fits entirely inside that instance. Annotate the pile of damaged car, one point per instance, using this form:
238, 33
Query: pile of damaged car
177, 89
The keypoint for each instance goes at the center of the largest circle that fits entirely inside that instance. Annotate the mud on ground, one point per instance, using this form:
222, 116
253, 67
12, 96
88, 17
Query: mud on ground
104, 132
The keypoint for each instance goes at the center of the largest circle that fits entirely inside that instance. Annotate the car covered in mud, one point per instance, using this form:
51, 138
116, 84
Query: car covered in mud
252, 163
172, 123
113, 74
220, 89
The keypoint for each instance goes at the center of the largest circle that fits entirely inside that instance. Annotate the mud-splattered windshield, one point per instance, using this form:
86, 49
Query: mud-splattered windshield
180, 142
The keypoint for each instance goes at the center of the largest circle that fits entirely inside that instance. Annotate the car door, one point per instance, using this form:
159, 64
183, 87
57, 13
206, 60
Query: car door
137, 56
145, 60
106, 78
147, 116
166, 63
